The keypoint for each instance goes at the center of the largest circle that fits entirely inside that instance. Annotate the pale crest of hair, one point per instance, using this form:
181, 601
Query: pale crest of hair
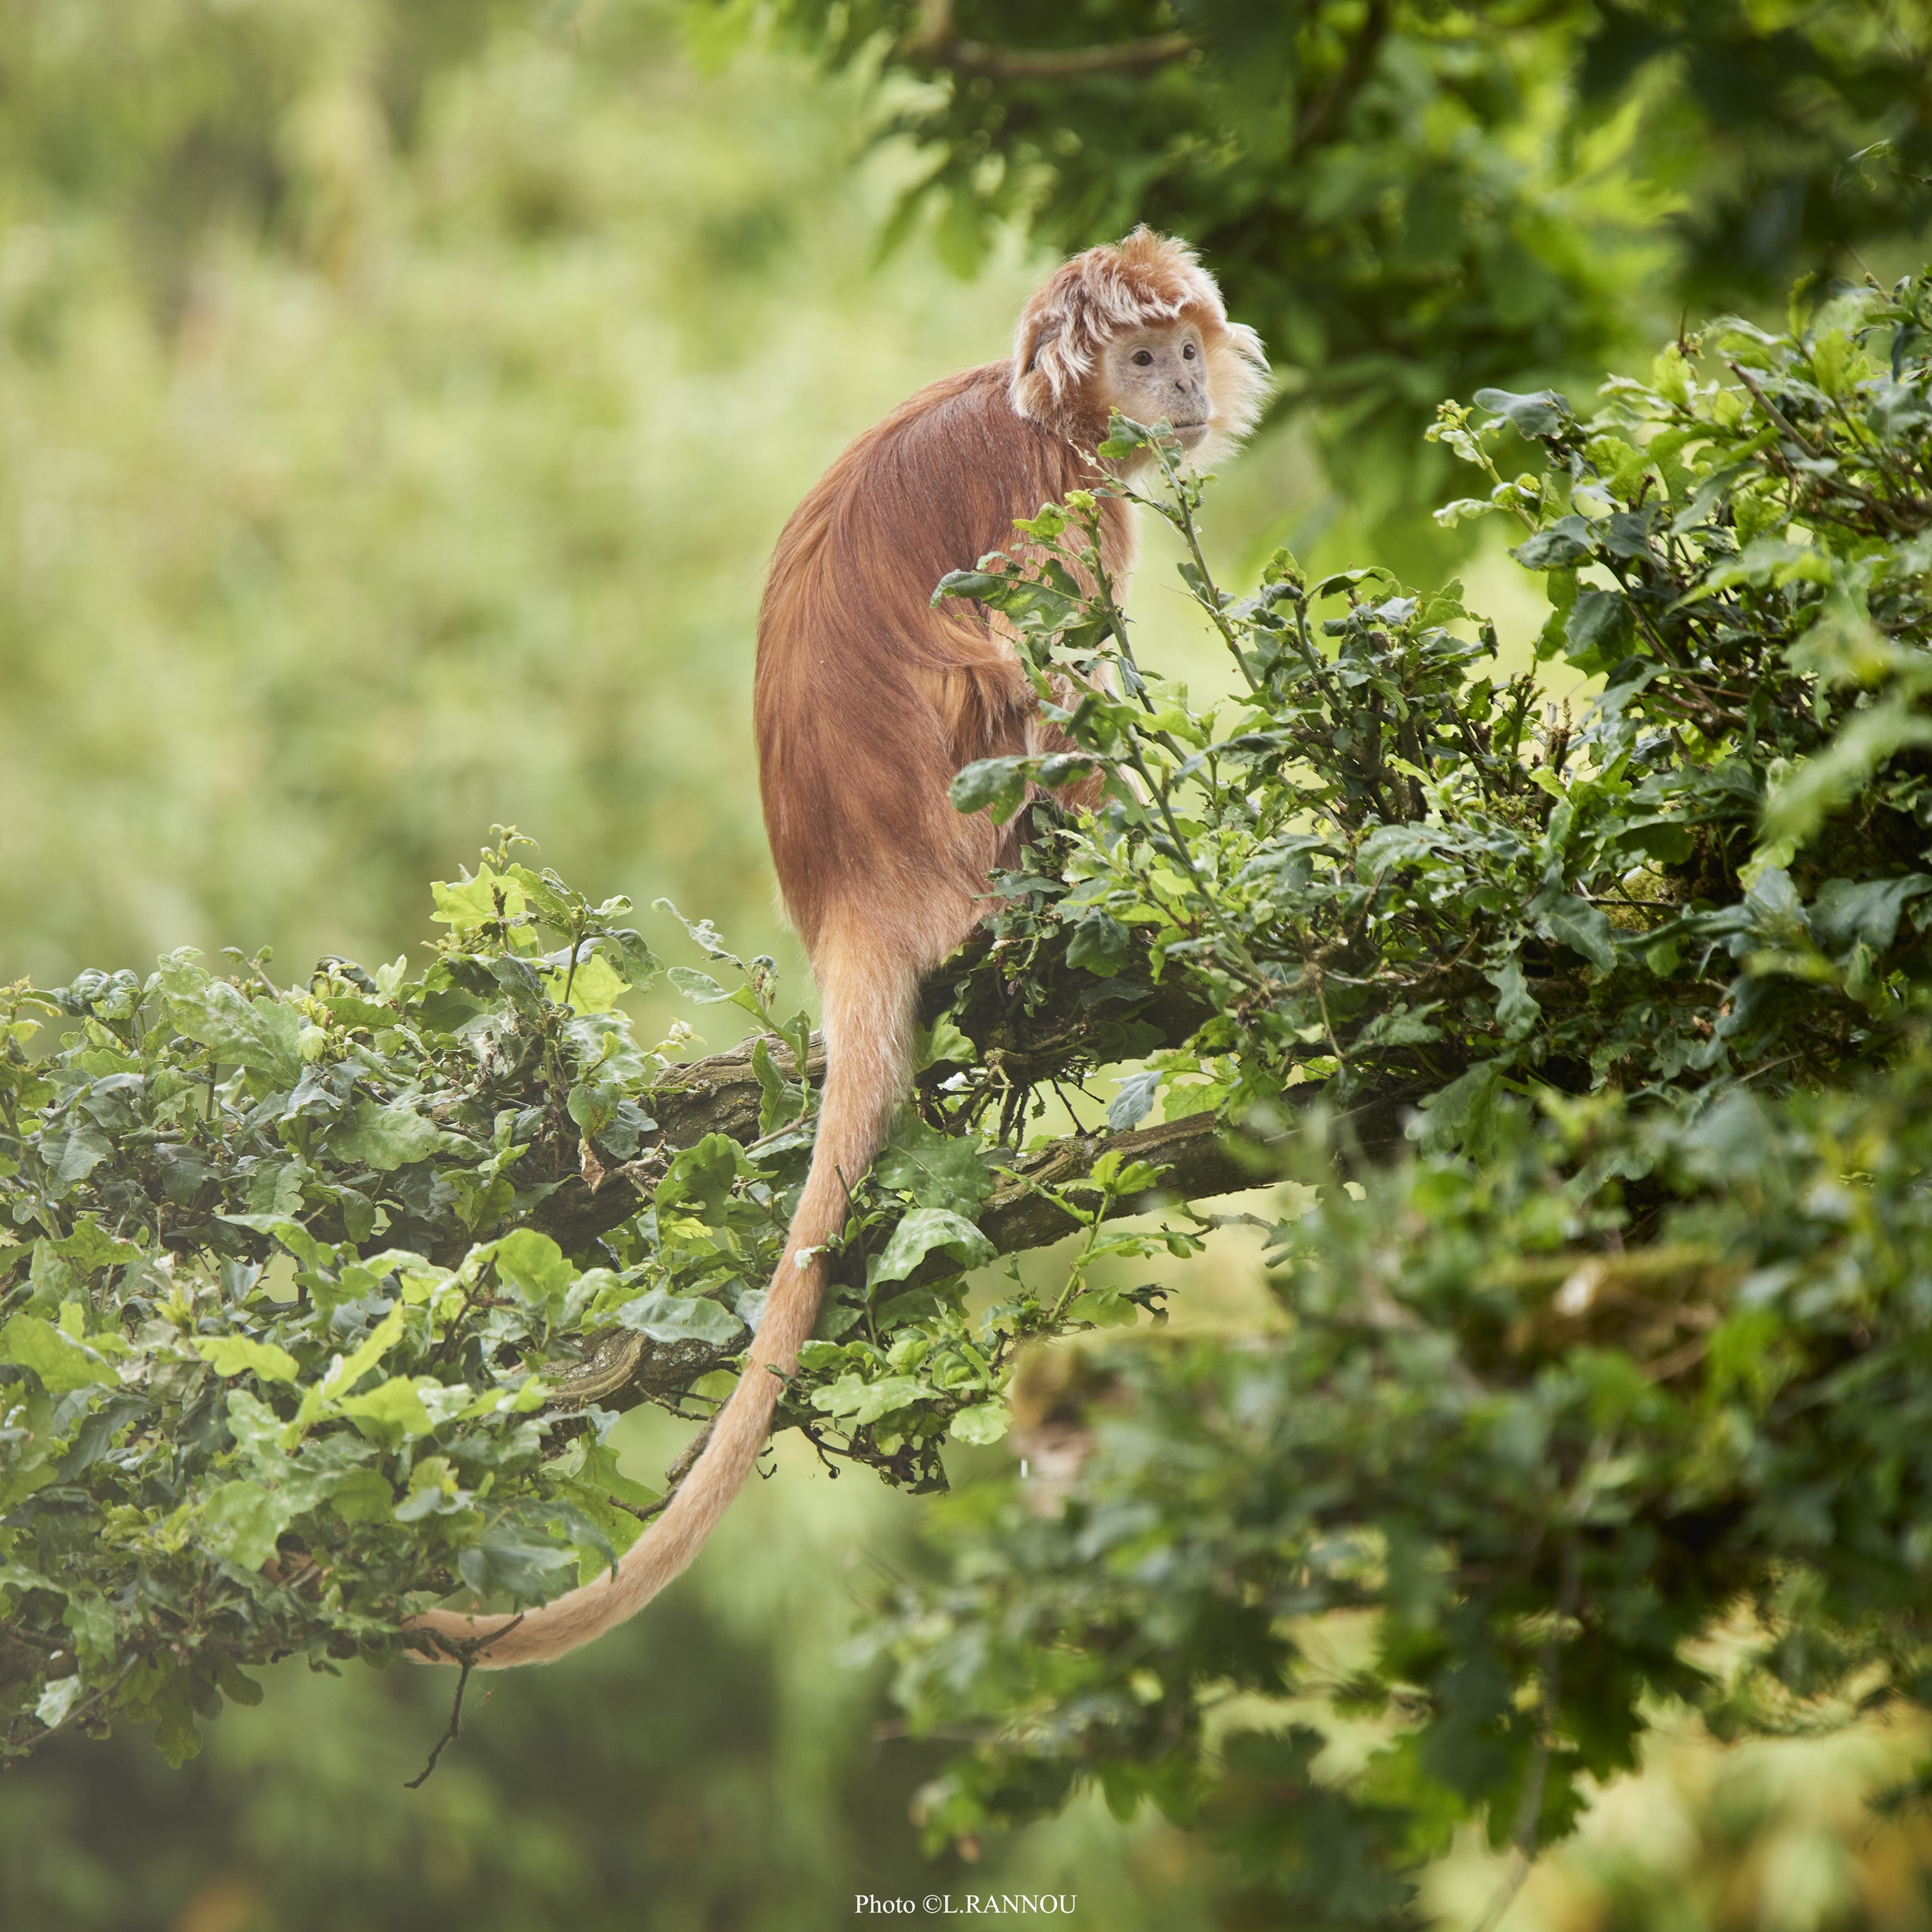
1096, 296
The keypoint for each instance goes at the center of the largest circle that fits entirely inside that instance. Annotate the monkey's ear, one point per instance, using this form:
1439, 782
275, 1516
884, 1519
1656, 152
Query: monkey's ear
1031, 388
1035, 339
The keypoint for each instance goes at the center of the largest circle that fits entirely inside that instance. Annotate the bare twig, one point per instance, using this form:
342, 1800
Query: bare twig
451, 1733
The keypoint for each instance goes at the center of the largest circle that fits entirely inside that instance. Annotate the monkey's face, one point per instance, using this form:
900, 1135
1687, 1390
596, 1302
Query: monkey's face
1159, 373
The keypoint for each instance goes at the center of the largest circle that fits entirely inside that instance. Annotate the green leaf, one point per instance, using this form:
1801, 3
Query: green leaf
348, 1370
255, 1427
665, 1317
924, 1231
310, 1253
984, 1423
58, 1699
1099, 944
937, 1170
861, 1402
233, 1355
1599, 631
71, 1153
1796, 807
1401, 1025
1845, 913
592, 1106
1463, 1110
471, 903
358, 1015
91, 1617
544, 894
241, 1522
62, 1364
996, 785
696, 986
177, 1737
1135, 1099
595, 986
385, 1137
362, 1496
433, 1491
600, 1473
90, 1248
701, 1175
640, 967
1562, 547
276, 1187
237, 1686
506, 1562
1663, 839
534, 1268
1543, 413
1567, 920
390, 1412
261, 1034
1517, 1012
1104, 1309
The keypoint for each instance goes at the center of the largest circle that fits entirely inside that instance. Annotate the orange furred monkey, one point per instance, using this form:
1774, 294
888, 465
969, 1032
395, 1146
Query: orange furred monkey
868, 701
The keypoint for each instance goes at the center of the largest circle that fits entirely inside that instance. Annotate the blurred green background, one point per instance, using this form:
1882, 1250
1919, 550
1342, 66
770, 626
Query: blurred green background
398, 400
399, 404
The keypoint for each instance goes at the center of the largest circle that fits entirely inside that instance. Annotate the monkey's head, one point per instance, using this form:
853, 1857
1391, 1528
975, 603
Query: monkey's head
1138, 326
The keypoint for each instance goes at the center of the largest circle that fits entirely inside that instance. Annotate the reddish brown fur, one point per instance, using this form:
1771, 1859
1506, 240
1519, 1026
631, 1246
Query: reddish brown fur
868, 700
858, 817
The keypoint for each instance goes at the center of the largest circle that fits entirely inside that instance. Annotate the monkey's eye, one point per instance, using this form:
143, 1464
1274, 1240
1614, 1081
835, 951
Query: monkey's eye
1188, 351
1144, 358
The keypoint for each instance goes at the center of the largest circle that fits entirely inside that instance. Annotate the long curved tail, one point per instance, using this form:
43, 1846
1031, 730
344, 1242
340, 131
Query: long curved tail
869, 1004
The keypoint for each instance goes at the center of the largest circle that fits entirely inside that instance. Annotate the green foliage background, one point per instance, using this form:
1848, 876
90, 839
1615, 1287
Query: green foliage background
370, 477
398, 404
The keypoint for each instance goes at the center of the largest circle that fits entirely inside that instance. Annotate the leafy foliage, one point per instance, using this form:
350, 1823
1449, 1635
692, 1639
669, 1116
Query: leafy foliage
1627, 1361
176, 1405
285, 1342
1386, 873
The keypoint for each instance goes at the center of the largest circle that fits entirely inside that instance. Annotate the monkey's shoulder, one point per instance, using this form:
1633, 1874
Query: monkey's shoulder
957, 410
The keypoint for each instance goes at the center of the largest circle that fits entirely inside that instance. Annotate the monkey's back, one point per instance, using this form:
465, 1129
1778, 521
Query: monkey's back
867, 699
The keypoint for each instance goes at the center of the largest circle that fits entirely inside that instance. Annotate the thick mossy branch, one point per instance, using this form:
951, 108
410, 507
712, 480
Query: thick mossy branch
1199, 1155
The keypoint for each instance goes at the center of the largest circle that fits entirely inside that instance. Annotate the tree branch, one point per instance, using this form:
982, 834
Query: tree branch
1321, 114
720, 1095
1200, 1157
1197, 1157
938, 44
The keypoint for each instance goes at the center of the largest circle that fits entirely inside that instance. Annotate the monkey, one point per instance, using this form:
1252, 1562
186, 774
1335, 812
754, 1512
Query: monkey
867, 699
